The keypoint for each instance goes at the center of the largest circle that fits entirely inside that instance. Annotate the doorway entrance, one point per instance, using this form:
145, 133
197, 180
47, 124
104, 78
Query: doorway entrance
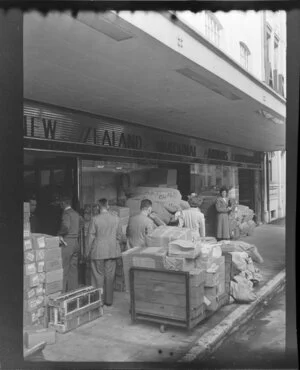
246, 188
46, 177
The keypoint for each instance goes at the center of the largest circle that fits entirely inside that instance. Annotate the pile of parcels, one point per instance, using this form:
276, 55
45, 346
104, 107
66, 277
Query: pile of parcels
175, 249
43, 276
241, 221
43, 283
165, 201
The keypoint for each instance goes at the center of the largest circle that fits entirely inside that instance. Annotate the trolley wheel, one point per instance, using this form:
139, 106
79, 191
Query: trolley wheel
162, 328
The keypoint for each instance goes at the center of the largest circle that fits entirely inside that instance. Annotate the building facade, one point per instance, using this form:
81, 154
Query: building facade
257, 41
109, 95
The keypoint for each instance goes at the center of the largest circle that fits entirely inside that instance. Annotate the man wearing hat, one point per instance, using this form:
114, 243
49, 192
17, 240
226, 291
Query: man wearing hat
193, 218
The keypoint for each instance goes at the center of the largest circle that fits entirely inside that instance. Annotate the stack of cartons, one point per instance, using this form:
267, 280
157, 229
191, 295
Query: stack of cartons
34, 310
215, 283
163, 235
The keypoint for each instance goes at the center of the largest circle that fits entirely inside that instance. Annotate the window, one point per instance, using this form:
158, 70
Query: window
269, 32
245, 55
212, 28
276, 50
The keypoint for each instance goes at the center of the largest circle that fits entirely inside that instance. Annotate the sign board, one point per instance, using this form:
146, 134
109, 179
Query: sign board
60, 129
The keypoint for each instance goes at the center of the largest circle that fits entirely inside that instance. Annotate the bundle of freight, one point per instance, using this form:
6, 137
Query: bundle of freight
71, 310
34, 305
165, 201
241, 221
163, 235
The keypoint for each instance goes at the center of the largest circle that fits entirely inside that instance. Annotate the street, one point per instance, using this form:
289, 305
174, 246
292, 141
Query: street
260, 343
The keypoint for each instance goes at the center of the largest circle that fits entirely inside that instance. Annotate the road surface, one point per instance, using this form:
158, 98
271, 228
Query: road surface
258, 344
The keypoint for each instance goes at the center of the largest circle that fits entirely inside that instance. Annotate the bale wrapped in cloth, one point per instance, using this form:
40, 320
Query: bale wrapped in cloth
240, 246
163, 235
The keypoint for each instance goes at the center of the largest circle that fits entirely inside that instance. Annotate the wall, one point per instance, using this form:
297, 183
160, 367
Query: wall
248, 28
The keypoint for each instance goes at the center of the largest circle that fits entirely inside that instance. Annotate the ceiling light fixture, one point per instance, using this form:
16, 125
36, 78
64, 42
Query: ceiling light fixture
119, 168
100, 166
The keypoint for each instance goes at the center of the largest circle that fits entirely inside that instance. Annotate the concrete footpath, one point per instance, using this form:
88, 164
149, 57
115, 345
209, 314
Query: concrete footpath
113, 338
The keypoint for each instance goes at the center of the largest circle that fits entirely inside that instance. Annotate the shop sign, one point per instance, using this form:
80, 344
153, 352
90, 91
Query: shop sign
93, 134
49, 130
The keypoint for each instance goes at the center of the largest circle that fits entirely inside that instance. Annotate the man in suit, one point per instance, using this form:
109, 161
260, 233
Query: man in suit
34, 225
71, 225
103, 248
141, 225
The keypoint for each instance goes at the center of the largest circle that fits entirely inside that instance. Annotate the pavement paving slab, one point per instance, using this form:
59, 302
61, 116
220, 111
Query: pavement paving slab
115, 338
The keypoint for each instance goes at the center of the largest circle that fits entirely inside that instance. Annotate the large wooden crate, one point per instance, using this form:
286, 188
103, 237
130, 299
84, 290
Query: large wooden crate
68, 311
167, 297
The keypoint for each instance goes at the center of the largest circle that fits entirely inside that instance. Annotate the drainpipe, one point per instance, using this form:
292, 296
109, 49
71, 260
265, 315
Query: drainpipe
266, 188
280, 185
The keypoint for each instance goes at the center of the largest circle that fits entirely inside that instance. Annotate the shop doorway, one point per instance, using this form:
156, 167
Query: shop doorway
246, 188
183, 181
46, 177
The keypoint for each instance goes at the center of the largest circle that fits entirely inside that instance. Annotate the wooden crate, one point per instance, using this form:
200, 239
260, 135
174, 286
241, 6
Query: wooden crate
70, 310
167, 297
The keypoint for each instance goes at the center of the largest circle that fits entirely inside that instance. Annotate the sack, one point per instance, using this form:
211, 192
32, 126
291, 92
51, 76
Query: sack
239, 246
239, 260
241, 290
184, 248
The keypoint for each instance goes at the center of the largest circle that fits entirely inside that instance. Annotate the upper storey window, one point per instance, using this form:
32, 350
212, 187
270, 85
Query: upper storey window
244, 55
213, 28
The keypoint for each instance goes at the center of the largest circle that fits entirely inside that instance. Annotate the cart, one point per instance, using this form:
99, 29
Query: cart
174, 298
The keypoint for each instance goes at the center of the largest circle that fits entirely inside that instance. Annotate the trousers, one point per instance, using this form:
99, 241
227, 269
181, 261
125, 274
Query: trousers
103, 276
70, 254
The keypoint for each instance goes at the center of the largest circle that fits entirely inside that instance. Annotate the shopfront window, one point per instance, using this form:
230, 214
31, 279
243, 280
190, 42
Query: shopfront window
208, 179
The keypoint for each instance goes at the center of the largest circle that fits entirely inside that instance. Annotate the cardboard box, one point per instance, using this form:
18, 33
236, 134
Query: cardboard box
30, 318
31, 281
38, 241
53, 254
30, 304
30, 269
26, 230
29, 256
39, 290
39, 255
42, 277
27, 244
179, 264
29, 294
26, 207
53, 265
40, 266
26, 218
55, 275
35, 336
149, 258
163, 235
212, 277
54, 287
122, 212
197, 277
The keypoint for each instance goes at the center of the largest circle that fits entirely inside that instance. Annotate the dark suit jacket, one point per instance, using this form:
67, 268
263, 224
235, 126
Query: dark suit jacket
71, 224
